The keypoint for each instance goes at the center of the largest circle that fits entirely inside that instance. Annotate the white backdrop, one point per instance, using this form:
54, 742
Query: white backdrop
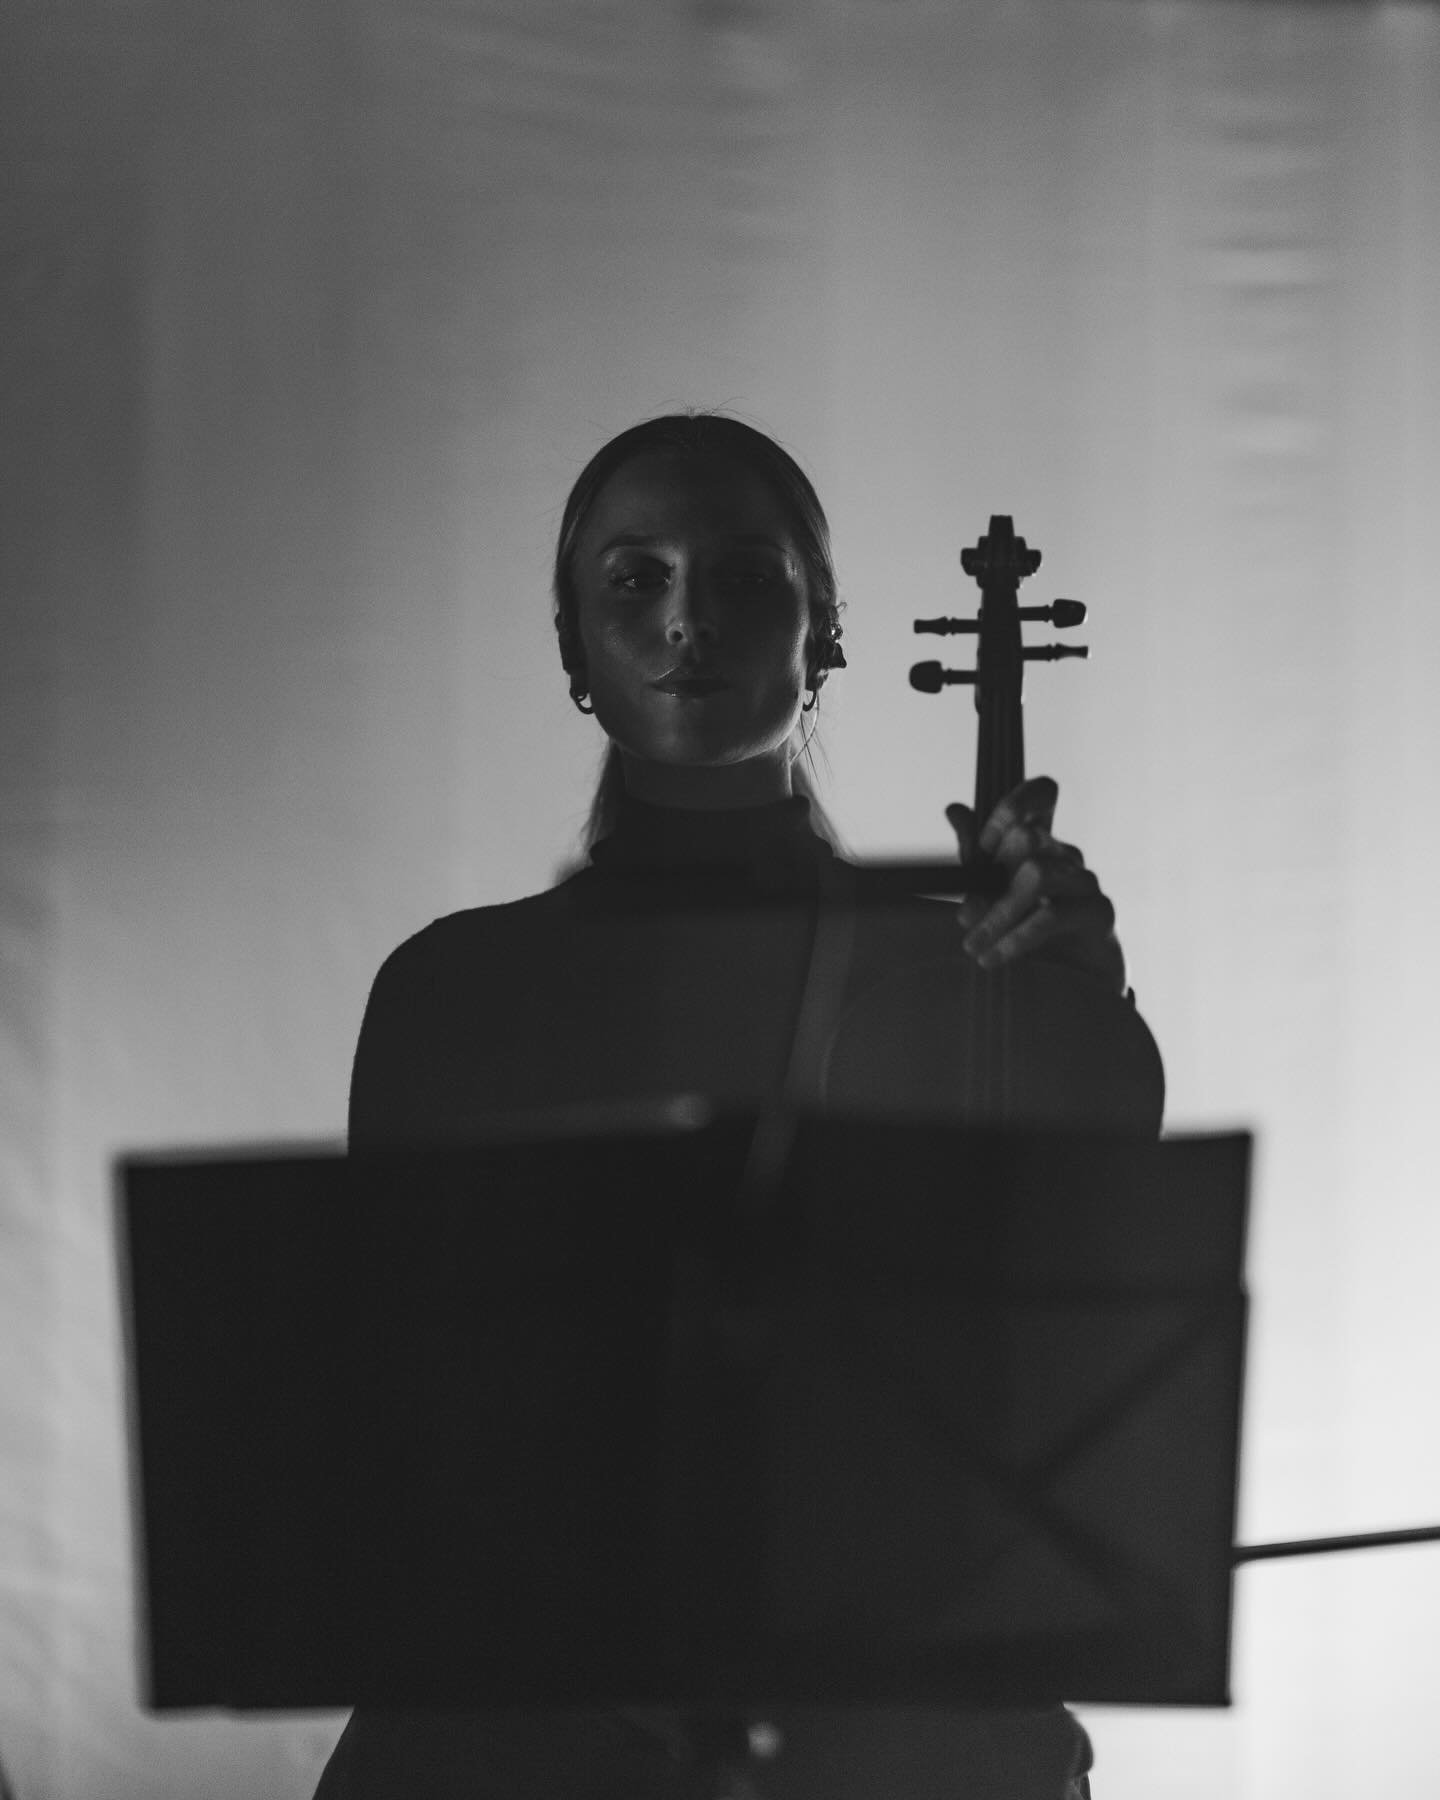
314, 308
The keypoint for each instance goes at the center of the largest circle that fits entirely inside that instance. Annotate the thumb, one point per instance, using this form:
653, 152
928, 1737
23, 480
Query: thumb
973, 908
962, 823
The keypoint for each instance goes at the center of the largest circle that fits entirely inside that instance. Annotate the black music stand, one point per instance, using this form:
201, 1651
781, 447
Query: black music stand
952, 1418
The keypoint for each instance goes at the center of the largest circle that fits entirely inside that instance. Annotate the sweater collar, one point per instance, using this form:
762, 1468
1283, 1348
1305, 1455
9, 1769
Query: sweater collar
773, 846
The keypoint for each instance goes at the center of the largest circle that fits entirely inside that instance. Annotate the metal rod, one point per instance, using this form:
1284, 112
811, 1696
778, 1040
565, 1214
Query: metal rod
1361, 1540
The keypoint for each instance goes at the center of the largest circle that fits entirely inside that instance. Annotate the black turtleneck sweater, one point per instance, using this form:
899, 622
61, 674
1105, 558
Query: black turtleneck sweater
673, 963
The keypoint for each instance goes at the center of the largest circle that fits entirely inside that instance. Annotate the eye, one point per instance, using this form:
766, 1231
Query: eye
638, 578
753, 581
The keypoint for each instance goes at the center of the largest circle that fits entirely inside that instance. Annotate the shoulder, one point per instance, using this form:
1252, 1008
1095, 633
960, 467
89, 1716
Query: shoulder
482, 953
437, 989
475, 935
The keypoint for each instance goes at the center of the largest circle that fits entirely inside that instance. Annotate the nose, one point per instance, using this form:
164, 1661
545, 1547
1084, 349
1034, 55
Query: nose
690, 618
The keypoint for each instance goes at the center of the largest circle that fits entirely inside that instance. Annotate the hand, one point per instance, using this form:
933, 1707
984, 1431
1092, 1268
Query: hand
1053, 905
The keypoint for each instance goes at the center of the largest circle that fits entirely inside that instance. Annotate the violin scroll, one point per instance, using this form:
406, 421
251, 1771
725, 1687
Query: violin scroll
999, 563
1000, 559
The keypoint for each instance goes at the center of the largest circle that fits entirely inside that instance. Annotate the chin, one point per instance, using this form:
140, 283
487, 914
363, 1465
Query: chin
706, 740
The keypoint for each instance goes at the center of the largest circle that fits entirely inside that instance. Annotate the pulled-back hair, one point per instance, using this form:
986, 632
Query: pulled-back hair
699, 434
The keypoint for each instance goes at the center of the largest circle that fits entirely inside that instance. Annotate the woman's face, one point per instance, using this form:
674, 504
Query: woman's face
693, 614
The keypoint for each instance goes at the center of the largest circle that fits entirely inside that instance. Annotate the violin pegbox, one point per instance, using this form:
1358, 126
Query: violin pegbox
999, 562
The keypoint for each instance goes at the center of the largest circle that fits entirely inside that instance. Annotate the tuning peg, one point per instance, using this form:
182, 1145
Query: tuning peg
1054, 652
1061, 613
929, 677
946, 627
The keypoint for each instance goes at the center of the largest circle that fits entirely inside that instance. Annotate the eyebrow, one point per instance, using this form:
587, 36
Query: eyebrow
627, 542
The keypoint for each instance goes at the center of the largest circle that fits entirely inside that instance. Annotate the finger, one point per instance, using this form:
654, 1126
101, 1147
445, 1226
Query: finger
1026, 842
1079, 907
1032, 802
1063, 899
1079, 931
1076, 933
962, 822
970, 911
1019, 899
1038, 928
973, 908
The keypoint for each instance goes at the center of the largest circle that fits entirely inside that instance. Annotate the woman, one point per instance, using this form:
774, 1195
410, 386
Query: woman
697, 620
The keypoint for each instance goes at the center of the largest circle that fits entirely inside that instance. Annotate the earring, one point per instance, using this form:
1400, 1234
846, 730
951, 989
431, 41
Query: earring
578, 696
809, 705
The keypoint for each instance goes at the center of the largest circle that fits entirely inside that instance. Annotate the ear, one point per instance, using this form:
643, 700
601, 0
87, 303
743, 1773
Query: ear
572, 654
822, 647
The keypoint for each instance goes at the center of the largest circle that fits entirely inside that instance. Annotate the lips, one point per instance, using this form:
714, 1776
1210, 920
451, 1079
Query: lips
689, 684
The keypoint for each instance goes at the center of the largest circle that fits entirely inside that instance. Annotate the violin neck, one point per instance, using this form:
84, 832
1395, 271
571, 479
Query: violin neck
1000, 752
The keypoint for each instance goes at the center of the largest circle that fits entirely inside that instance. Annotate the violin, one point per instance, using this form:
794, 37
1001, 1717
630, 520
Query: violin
1032, 1045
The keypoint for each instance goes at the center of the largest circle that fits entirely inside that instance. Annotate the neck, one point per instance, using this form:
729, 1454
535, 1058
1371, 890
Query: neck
724, 788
